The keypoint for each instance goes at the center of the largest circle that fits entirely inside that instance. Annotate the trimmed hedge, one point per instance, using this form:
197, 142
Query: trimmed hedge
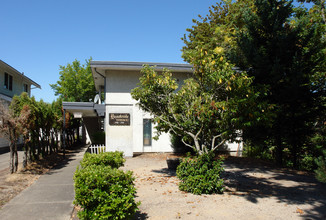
112, 159
201, 174
104, 192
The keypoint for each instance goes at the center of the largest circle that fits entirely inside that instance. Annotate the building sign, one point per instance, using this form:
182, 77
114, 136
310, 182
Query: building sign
119, 119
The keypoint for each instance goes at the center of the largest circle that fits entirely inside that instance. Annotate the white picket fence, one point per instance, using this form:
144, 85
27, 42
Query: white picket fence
96, 149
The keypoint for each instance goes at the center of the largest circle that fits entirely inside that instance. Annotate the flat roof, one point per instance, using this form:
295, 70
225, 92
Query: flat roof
99, 68
86, 109
126, 65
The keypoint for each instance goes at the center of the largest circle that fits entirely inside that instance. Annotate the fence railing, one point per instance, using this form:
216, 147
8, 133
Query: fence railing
96, 149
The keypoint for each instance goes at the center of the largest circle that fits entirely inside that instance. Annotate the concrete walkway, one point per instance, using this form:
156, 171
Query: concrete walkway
50, 197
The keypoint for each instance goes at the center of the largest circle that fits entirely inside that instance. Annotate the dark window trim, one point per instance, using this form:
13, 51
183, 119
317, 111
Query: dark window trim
147, 132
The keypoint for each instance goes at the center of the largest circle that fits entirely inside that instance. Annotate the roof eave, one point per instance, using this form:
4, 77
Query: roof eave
22, 75
122, 65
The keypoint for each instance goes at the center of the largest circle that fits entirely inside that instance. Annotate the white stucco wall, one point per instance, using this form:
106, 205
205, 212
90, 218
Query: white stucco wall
119, 137
118, 100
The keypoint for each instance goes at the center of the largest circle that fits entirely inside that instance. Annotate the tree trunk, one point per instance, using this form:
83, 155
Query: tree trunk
198, 148
25, 153
295, 155
11, 165
51, 144
15, 157
13, 152
279, 152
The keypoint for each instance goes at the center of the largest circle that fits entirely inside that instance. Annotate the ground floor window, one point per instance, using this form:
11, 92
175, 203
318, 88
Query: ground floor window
147, 132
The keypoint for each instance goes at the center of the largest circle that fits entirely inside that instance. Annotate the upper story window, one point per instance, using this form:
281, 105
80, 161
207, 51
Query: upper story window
8, 82
25, 88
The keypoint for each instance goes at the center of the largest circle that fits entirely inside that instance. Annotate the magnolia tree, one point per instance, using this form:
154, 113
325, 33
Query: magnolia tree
210, 108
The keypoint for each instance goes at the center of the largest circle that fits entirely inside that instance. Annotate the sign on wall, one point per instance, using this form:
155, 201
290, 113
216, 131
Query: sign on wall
122, 119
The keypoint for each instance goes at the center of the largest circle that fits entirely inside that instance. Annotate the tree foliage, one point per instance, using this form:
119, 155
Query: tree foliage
38, 123
75, 82
283, 49
207, 110
321, 170
11, 128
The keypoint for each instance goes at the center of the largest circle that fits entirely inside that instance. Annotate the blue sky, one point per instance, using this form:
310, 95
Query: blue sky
38, 36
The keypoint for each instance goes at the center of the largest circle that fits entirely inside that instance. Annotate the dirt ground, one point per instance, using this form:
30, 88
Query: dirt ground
254, 190
12, 184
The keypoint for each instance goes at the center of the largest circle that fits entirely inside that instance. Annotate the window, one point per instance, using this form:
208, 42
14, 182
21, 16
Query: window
147, 132
25, 88
8, 82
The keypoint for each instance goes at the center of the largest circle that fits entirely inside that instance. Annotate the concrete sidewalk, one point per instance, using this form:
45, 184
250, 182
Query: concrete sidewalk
50, 197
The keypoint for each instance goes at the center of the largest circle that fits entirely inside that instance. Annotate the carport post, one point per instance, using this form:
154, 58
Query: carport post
64, 133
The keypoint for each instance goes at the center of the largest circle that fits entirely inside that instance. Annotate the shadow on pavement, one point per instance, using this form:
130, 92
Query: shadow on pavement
140, 215
167, 172
254, 182
69, 154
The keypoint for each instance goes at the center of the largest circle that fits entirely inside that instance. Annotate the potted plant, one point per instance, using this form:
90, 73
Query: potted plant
173, 163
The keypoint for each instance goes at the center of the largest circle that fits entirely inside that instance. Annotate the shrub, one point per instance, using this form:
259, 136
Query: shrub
321, 170
104, 193
201, 174
307, 162
112, 159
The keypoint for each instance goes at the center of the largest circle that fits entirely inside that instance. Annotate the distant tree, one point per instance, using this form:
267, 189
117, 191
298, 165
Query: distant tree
75, 82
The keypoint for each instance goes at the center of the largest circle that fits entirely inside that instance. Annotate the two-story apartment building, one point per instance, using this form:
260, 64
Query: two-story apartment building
13, 82
127, 127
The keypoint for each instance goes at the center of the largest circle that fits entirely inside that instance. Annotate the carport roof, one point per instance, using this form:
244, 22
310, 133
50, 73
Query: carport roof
84, 109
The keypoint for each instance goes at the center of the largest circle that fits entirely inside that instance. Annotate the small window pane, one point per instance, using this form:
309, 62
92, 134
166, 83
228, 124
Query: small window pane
6, 81
25, 88
10, 82
147, 132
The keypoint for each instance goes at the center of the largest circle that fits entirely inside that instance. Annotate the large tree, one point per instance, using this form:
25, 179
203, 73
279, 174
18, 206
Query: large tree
210, 108
75, 82
282, 48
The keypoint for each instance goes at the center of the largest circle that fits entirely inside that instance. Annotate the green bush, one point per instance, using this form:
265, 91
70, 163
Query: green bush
104, 193
307, 162
112, 159
321, 170
201, 174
